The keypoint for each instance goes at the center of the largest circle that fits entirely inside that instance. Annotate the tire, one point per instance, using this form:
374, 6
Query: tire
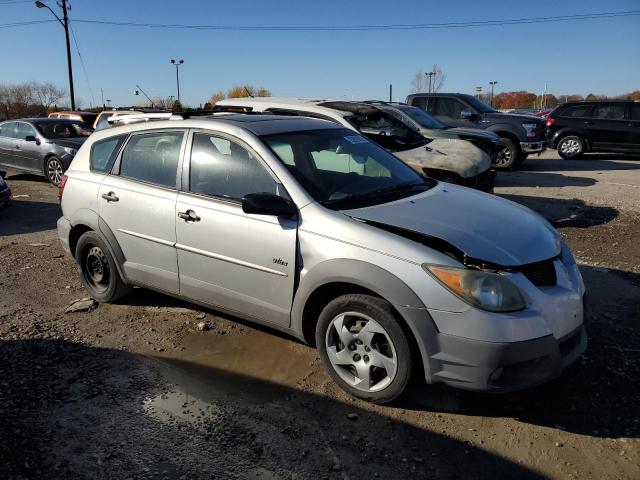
571, 147
98, 270
53, 170
371, 358
507, 157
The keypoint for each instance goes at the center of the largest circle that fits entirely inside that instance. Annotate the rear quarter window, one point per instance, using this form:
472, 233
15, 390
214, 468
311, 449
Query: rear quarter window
104, 152
577, 111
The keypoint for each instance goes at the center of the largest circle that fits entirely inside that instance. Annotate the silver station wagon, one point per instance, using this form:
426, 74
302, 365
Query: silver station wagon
310, 228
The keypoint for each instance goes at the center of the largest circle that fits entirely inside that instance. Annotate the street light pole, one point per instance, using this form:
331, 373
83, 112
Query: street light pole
65, 24
177, 64
492, 85
430, 75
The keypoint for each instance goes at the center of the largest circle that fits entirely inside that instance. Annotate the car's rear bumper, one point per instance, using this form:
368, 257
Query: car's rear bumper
533, 147
64, 228
504, 367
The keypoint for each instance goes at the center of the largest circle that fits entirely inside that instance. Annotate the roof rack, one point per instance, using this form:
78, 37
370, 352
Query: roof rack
143, 117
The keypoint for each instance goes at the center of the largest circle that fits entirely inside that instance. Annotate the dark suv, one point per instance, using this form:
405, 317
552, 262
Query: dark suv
520, 135
578, 127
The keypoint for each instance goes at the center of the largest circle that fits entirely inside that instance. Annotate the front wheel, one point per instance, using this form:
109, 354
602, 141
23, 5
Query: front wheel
53, 170
571, 147
364, 347
98, 270
507, 157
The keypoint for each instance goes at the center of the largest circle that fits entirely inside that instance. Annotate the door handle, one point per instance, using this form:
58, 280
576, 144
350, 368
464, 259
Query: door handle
189, 216
110, 197
631, 124
588, 122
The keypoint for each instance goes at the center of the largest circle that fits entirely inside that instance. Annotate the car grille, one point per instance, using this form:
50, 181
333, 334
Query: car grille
541, 274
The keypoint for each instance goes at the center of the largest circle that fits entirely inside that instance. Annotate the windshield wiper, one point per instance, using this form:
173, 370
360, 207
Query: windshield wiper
380, 191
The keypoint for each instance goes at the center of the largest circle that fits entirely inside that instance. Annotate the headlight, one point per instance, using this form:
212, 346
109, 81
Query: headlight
485, 290
530, 129
71, 151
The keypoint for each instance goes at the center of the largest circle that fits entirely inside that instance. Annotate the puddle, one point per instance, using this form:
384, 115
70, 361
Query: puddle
251, 367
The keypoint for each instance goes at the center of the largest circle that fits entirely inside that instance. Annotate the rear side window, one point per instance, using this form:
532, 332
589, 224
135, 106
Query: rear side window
152, 157
609, 112
577, 111
103, 153
222, 168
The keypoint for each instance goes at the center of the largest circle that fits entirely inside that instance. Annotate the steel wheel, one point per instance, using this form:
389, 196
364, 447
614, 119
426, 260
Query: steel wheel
54, 170
96, 269
361, 351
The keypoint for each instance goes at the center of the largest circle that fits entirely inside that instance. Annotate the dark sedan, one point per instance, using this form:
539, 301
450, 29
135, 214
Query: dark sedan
5, 193
44, 146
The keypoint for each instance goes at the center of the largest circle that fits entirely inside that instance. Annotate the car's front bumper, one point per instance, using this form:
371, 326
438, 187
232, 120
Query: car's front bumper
533, 147
484, 182
503, 367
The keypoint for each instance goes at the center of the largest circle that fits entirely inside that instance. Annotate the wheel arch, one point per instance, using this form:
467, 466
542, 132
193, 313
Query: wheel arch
334, 278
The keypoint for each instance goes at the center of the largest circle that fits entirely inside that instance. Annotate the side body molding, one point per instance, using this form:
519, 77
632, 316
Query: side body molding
378, 280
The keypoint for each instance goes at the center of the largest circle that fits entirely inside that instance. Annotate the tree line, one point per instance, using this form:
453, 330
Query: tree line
527, 100
30, 99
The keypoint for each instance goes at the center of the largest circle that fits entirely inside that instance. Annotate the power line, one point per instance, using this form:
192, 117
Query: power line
11, 2
84, 68
416, 26
24, 24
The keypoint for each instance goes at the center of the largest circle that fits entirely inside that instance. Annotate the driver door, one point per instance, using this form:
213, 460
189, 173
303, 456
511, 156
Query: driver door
449, 111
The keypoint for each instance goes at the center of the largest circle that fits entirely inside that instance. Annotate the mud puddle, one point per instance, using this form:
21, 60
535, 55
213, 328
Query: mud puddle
214, 370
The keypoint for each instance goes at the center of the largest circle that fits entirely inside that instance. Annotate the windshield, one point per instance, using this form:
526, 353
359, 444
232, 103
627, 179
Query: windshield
62, 129
478, 105
343, 170
421, 117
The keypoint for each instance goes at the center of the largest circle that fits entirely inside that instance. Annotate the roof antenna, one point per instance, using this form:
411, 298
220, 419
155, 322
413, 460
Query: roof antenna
248, 92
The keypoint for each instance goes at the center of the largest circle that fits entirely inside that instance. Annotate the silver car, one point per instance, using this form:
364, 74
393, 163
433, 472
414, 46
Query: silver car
310, 228
43, 146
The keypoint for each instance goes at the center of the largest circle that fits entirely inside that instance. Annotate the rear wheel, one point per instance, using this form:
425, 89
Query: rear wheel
364, 347
53, 170
98, 270
571, 147
507, 157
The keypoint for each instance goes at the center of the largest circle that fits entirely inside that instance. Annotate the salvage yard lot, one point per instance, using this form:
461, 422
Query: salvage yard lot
136, 389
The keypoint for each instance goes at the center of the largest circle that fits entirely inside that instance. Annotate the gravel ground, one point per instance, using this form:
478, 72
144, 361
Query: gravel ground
137, 390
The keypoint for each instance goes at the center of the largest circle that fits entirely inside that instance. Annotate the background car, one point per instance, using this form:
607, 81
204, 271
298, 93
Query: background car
102, 120
462, 163
430, 127
88, 118
520, 134
43, 146
5, 192
577, 127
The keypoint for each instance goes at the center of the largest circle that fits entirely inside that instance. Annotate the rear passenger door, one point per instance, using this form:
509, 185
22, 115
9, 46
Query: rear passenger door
138, 203
633, 127
240, 262
606, 128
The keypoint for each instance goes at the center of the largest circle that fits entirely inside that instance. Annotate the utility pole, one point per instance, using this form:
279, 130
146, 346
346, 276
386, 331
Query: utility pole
65, 24
430, 75
492, 83
390, 92
177, 63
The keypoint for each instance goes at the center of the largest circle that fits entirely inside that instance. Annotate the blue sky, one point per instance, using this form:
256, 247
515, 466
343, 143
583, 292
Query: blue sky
600, 56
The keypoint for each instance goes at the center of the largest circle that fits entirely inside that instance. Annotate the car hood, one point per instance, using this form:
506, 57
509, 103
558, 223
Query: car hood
474, 133
517, 116
482, 226
74, 142
451, 154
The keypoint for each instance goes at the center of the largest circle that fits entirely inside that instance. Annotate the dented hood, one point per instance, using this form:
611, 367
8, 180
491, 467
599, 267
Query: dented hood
482, 226
451, 154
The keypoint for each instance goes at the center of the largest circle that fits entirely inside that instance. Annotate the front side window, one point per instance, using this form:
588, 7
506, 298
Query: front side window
422, 118
103, 153
222, 168
449, 107
152, 157
342, 169
24, 130
609, 111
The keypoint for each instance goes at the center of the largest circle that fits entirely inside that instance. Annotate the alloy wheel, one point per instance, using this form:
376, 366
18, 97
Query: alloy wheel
503, 159
570, 147
361, 351
54, 171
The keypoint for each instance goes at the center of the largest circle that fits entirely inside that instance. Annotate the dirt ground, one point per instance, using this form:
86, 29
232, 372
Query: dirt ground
135, 390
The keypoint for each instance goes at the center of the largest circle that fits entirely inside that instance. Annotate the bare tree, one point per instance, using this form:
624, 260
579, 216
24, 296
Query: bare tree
48, 94
422, 80
216, 97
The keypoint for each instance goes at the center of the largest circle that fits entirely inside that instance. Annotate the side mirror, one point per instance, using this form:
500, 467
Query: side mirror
31, 138
467, 114
268, 204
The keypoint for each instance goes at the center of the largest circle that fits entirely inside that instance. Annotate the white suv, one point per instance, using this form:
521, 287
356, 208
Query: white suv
310, 228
